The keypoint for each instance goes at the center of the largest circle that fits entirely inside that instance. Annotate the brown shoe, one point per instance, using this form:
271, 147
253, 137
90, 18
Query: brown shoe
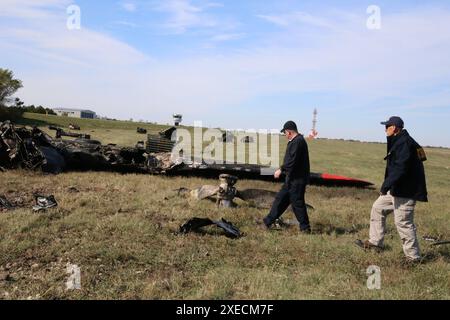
367, 245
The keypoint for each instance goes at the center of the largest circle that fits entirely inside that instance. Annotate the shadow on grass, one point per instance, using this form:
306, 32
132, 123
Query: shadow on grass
33, 122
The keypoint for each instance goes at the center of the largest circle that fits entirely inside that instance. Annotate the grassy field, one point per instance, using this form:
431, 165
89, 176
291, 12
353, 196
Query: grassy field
121, 230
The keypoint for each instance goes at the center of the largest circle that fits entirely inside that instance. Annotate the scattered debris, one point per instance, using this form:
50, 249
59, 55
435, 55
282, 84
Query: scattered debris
61, 133
225, 193
168, 133
197, 223
32, 149
74, 127
43, 202
182, 191
73, 190
440, 243
140, 145
436, 241
5, 204
431, 238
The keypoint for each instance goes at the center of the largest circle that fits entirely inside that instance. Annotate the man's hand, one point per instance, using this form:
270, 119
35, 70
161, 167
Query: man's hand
277, 174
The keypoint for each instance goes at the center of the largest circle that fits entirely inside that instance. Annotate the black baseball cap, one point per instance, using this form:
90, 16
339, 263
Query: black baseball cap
394, 121
290, 125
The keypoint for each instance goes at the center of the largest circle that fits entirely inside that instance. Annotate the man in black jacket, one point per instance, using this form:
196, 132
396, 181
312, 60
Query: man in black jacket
404, 184
296, 170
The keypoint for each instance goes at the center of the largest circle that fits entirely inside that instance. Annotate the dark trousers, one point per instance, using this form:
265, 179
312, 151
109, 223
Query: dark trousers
293, 193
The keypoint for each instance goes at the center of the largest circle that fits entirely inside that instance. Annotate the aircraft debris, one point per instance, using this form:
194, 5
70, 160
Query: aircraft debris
74, 127
33, 149
73, 189
43, 203
141, 130
168, 133
61, 133
5, 204
195, 224
440, 243
225, 193
140, 145
436, 241
430, 238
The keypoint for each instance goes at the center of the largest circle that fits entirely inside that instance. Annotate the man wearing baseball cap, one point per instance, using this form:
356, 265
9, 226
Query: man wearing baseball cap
403, 185
296, 170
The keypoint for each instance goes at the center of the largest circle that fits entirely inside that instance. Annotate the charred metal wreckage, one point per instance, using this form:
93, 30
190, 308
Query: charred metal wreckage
33, 149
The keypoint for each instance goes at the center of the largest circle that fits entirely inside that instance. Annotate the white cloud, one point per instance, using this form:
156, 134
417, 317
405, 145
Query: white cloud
31, 8
278, 20
46, 35
296, 18
184, 15
227, 37
129, 6
126, 24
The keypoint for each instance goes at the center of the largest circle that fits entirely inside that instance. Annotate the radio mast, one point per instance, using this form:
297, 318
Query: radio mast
313, 134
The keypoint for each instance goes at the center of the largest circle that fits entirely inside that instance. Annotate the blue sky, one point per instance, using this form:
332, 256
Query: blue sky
239, 64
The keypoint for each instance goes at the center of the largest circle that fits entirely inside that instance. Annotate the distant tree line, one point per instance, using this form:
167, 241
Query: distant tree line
20, 106
13, 109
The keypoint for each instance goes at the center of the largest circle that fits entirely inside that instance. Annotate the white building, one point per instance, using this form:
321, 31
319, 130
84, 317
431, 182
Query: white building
75, 113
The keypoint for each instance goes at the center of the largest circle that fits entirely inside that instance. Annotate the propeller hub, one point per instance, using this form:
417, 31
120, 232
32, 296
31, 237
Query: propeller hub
227, 191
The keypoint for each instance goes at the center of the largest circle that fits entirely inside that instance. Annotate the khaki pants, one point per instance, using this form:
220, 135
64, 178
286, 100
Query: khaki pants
403, 209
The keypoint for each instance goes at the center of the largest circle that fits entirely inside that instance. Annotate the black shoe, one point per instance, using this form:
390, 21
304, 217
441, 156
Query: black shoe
367, 245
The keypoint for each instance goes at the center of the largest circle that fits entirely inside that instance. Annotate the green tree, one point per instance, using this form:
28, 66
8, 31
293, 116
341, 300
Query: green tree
8, 85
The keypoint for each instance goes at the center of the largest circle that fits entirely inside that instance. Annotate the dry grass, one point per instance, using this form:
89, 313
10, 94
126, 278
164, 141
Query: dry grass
122, 232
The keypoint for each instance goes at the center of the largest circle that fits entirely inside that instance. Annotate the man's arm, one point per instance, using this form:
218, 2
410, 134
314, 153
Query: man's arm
398, 169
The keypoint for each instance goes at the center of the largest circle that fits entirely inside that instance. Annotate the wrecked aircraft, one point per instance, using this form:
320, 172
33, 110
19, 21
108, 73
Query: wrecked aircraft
33, 149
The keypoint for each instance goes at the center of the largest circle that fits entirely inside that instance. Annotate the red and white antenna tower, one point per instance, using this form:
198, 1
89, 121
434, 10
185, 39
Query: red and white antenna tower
313, 134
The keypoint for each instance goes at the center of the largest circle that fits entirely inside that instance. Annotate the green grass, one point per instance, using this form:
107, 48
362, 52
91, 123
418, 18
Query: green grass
122, 232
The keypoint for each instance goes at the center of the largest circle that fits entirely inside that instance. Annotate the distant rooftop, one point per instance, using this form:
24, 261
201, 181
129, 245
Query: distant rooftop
68, 109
